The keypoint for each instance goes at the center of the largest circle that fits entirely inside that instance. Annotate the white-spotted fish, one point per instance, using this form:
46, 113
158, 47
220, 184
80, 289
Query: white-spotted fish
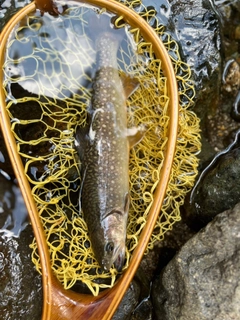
104, 152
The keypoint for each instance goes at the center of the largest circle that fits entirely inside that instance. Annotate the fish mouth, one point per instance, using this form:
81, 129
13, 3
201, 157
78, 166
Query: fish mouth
117, 260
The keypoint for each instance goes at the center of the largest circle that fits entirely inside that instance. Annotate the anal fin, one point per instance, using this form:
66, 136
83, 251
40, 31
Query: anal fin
135, 135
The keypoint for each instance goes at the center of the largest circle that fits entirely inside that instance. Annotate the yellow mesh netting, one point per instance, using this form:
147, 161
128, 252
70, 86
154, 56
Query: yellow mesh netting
47, 89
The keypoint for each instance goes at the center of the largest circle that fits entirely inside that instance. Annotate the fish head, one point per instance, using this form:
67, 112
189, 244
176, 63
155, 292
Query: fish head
115, 240
109, 242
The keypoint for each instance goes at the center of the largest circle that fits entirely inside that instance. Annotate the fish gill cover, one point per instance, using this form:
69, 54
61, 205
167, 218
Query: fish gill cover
48, 69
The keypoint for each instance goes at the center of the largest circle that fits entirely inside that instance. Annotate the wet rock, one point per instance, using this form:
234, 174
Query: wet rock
217, 189
222, 122
203, 280
128, 302
173, 240
153, 263
206, 44
231, 84
229, 13
143, 311
8, 8
196, 25
20, 284
5, 164
236, 107
206, 155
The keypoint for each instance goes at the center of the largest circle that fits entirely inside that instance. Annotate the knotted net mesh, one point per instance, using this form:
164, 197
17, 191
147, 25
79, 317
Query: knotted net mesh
47, 80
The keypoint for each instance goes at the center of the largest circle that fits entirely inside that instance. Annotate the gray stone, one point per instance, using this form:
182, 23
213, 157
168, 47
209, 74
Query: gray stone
203, 280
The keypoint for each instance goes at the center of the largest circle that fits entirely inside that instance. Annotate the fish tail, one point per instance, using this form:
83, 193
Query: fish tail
104, 23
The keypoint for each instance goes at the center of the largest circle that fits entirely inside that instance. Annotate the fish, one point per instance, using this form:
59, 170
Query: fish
103, 147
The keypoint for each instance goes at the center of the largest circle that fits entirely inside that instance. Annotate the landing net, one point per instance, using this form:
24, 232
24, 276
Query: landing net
48, 88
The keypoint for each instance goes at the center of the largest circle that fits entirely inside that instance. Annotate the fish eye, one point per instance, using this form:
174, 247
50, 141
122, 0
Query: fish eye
109, 247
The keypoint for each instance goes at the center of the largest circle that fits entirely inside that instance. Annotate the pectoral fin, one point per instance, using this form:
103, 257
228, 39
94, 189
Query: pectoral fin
129, 83
127, 202
135, 135
81, 141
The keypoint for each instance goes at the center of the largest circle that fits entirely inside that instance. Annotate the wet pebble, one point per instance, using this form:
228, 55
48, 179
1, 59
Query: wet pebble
231, 76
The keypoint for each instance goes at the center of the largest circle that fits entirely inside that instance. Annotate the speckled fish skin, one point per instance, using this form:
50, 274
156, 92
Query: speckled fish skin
104, 197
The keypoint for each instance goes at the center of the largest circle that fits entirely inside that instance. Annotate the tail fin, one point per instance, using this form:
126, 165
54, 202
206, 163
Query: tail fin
103, 22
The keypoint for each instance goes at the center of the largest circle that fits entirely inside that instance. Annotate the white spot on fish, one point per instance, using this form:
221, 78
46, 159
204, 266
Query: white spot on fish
77, 144
99, 147
92, 134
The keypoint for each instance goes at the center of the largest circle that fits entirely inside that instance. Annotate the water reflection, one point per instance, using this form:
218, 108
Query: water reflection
56, 49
